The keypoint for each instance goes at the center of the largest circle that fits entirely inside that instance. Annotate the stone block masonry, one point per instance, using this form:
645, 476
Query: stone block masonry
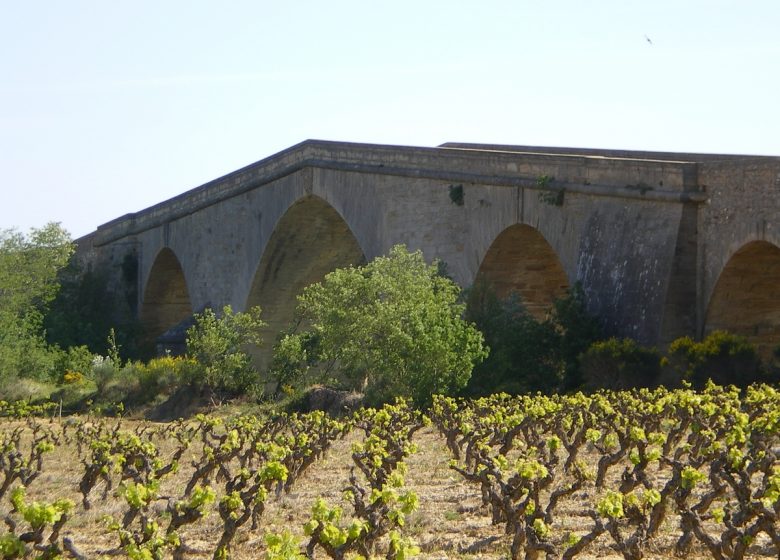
663, 244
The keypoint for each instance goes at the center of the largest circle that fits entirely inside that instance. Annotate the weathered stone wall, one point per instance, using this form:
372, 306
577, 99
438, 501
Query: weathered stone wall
220, 245
739, 232
646, 236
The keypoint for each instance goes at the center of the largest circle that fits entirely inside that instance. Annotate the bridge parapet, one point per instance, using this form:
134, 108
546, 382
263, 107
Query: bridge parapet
674, 181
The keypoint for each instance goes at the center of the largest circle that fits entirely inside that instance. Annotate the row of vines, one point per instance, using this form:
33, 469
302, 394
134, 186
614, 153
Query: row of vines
233, 468
702, 466
678, 471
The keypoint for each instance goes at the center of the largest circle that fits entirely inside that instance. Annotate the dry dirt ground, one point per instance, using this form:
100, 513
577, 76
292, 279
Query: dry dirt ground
450, 522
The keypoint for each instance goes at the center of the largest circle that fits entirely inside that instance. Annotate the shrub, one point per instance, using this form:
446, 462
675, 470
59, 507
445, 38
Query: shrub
25, 354
723, 357
294, 355
25, 389
521, 357
620, 363
499, 322
578, 330
103, 371
72, 378
216, 343
74, 359
527, 355
393, 327
161, 375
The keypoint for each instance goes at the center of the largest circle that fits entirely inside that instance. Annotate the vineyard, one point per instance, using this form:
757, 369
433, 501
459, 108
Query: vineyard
640, 474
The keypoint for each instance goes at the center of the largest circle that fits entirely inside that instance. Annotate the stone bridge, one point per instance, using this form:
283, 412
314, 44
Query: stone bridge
663, 244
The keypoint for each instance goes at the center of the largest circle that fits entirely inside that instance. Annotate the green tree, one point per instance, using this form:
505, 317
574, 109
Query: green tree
577, 330
393, 327
217, 344
527, 354
524, 354
28, 282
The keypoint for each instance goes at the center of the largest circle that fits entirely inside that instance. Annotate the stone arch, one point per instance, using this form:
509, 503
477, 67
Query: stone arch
521, 261
310, 240
166, 300
746, 297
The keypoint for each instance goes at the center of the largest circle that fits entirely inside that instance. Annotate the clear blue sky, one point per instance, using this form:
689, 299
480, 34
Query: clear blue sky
107, 107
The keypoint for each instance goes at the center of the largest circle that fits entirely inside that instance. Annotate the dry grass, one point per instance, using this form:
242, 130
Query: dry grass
450, 523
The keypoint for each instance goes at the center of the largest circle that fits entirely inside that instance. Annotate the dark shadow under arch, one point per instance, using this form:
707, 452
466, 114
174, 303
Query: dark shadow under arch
166, 301
520, 260
746, 297
309, 241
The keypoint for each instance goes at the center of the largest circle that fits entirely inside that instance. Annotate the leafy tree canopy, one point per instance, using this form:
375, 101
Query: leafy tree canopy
28, 269
28, 282
526, 354
392, 327
217, 343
